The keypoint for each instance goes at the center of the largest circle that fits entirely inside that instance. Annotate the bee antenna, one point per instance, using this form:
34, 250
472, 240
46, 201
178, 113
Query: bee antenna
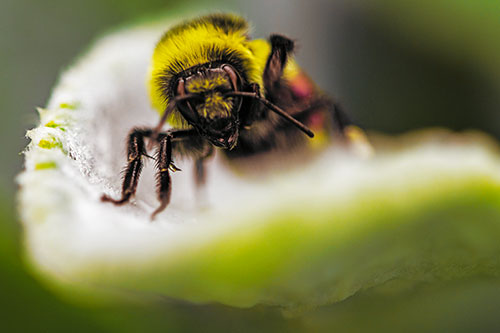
170, 107
276, 109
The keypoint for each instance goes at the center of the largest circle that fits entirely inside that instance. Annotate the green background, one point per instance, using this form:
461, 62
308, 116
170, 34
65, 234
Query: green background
395, 66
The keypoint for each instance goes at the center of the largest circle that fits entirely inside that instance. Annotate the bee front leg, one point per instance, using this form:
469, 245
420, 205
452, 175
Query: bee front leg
163, 180
165, 165
135, 151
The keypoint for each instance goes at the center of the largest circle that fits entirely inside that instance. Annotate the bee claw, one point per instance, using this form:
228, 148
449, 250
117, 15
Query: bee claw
173, 168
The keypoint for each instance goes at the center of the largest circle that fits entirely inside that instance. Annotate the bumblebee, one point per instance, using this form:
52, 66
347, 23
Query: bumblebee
216, 87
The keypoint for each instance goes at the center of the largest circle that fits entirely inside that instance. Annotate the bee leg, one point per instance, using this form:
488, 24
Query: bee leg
351, 134
163, 180
199, 168
136, 149
340, 119
165, 165
281, 47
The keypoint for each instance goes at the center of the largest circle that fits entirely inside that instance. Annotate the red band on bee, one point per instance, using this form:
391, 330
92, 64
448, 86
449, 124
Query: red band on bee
302, 86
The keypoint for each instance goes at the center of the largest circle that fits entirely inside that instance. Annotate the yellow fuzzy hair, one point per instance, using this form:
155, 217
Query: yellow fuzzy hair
212, 38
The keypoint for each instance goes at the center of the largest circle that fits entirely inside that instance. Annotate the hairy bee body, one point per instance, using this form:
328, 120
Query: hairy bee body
224, 38
216, 87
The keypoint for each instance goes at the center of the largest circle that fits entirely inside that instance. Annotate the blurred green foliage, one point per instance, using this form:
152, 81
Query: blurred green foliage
412, 64
465, 32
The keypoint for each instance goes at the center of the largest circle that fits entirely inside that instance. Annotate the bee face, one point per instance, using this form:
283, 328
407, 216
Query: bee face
211, 112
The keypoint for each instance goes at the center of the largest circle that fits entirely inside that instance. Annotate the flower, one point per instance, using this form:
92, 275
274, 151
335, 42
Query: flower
426, 208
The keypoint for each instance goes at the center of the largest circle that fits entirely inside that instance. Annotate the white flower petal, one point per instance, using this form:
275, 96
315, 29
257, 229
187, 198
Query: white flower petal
299, 236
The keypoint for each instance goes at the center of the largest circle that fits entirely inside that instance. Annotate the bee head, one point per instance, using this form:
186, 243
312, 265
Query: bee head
210, 111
